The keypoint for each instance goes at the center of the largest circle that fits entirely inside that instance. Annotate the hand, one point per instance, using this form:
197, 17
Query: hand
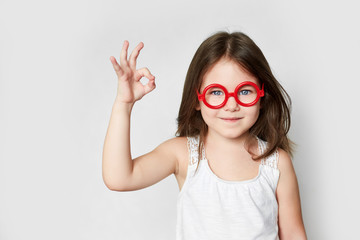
130, 89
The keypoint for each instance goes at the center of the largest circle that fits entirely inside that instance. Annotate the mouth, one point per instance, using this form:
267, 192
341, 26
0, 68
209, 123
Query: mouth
232, 119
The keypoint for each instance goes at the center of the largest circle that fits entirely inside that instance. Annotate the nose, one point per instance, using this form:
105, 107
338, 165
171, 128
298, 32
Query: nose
231, 104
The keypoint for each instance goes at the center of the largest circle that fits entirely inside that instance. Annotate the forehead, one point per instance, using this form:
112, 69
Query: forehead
227, 73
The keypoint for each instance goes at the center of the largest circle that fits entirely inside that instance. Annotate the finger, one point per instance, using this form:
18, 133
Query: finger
149, 86
144, 72
135, 54
123, 54
116, 66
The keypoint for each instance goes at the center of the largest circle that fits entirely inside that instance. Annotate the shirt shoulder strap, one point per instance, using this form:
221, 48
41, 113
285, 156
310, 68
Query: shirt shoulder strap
271, 160
193, 146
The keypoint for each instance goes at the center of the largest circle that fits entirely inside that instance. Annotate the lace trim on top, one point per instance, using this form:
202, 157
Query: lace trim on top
193, 145
272, 160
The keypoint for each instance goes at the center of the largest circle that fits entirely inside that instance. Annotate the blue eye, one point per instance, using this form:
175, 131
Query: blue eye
244, 92
216, 92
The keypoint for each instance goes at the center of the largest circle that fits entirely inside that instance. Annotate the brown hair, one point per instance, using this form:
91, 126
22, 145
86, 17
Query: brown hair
273, 122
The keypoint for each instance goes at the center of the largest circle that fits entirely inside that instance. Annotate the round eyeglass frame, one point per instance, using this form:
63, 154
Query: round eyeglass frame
260, 93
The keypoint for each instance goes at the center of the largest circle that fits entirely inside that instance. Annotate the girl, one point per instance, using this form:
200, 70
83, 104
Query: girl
231, 156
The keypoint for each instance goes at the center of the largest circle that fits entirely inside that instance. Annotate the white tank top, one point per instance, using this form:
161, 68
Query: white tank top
211, 208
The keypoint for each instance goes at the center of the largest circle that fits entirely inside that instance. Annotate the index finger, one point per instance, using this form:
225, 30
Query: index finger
135, 54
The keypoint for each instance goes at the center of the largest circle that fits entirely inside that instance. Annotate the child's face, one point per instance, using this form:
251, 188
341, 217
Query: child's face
232, 120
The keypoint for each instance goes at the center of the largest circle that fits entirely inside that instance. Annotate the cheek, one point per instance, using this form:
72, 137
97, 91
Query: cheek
254, 113
207, 114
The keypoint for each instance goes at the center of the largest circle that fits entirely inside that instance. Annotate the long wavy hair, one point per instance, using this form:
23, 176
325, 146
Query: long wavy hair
273, 122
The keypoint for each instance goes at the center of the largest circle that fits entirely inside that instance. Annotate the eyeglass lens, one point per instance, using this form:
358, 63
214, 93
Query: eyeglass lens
216, 96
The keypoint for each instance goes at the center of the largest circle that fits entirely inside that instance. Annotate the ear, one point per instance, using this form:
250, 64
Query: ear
197, 106
261, 103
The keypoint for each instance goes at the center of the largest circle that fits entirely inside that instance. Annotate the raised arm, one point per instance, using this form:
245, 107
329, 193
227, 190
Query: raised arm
120, 172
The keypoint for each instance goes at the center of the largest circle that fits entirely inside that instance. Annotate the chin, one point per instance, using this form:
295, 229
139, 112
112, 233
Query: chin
234, 134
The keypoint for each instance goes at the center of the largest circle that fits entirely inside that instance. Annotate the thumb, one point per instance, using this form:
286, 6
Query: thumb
150, 86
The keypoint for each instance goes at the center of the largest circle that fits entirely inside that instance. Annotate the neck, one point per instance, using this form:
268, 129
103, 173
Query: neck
230, 145
214, 139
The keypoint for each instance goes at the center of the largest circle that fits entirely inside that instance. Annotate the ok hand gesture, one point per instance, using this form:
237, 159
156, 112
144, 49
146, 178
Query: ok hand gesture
130, 89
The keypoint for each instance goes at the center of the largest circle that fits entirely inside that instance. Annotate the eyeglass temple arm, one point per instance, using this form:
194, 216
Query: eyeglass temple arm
200, 96
262, 91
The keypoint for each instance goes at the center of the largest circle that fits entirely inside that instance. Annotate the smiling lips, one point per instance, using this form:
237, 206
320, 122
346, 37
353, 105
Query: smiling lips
232, 119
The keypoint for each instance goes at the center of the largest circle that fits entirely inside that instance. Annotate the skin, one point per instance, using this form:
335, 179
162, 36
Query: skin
226, 159
222, 130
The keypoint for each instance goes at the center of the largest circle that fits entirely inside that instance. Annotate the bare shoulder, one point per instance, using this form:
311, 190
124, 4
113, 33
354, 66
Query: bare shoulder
174, 144
287, 178
175, 140
284, 163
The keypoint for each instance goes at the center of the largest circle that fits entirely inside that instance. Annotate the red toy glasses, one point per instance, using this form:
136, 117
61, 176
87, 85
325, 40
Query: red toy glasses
215, 95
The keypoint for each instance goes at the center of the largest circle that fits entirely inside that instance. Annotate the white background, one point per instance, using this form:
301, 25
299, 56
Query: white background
57, 88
